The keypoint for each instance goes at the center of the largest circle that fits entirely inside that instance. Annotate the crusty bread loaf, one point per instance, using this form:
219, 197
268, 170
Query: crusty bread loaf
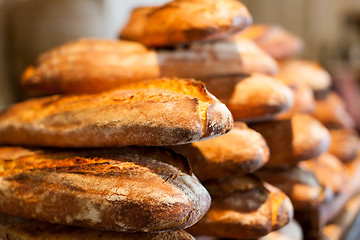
304, 72
93, 65
243, 208
331, 111
186, 21
124, 189
344, 144
251, 98
12, 228
156, 112
300, 185
275, 40
329, 171
304, 101
292, 140
238, 152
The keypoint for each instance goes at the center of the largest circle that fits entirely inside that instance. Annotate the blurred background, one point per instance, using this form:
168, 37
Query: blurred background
329, 28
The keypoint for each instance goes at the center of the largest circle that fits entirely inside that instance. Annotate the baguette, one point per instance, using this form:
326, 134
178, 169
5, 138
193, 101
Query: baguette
253, 98
292, 140
22, 229
243, 208
124, 189
94, 65
238, 152
304, 72
156, 112
300, 185
185, 21
274, 40
331, 111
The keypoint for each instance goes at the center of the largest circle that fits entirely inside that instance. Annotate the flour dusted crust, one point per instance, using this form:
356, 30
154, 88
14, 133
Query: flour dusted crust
274, 40
243, 208
238, 152
251, 98
292, 140
186, 21
157, 112
123, 189
22, 229
94, 65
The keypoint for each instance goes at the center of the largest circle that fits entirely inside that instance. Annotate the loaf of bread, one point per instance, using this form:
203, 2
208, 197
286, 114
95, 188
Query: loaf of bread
344, 144
300, 185
275, 40
186, 21
94, 65
22, 229
251, 98
243, 208
123, 189
156, 112
304, 72
329, 171
304, 101
238, 152
292, 140
331, 111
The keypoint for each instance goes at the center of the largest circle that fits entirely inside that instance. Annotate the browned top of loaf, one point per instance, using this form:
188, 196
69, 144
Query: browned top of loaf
238, 152
22, 229
122, 189
275, 40
185, 21
344, 144
156, 112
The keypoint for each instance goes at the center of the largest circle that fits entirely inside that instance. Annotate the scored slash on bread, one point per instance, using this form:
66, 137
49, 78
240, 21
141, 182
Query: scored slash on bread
291, 140
243, 207
251, 98
94, 65
23, 229
153, 113
119, 189
186, 21
238, 152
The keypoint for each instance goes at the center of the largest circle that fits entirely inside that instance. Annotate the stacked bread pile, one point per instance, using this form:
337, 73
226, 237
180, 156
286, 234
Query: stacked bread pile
107, 104
321, 186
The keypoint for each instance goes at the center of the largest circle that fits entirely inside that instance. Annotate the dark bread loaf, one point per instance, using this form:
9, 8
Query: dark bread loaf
274, 40
243, 208
292, 140
156, 112
124, 189
238, 152
94, 65
186, 21
23, 229
251, 98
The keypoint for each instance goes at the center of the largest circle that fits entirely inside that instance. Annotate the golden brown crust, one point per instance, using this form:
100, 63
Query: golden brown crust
292, 231
304, 72
243, 208
275, 40
94, 65
124, 189
331, 111
156, 112
252, 98
22, 229
292, 140
329, 171
344, 144
301, 186
185, 21
238, 152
